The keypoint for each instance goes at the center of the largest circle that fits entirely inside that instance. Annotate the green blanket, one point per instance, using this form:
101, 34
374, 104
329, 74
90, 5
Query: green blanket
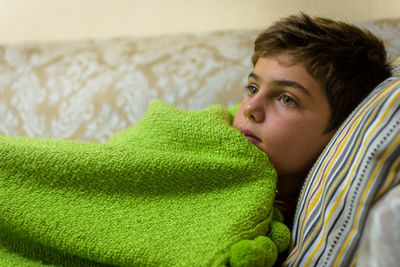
179, 188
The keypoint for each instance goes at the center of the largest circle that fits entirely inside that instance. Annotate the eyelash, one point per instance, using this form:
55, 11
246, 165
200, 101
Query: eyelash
252, 90
293, 102
249, 89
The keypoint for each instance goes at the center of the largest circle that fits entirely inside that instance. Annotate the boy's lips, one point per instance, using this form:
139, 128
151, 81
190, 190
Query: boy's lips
250, 136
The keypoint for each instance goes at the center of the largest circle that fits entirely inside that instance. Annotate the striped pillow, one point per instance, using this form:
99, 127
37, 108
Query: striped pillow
357, 167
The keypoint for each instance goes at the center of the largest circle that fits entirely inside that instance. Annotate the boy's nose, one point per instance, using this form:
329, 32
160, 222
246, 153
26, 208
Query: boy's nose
254, 111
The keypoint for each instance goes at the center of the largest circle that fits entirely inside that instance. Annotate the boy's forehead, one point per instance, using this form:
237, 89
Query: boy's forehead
288, 60
284, 59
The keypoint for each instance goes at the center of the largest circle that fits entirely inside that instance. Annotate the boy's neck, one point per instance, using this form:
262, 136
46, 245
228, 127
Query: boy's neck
289, 186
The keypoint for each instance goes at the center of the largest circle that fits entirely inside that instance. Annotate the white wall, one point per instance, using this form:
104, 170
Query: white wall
71, 19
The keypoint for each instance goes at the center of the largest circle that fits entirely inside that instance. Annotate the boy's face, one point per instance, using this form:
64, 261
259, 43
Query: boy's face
286, 114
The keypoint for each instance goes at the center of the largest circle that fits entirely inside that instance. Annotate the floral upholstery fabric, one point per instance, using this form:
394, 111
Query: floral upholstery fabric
380, 245
90, 89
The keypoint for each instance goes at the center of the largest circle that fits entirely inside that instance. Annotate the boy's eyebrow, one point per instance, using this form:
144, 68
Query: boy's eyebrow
289, 83
292, 84
254, 76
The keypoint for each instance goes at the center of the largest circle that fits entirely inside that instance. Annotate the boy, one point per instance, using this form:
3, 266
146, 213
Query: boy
309, 74
140, 207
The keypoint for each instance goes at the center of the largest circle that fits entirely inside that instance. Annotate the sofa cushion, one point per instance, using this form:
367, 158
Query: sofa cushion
357, 167
380, 245
91, 89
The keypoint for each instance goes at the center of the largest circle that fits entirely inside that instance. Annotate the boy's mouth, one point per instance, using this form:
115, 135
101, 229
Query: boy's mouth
250, 136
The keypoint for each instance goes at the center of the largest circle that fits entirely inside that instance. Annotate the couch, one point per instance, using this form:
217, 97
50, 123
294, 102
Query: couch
90, 89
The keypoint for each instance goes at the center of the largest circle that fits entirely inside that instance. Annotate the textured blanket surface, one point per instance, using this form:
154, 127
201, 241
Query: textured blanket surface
177, 189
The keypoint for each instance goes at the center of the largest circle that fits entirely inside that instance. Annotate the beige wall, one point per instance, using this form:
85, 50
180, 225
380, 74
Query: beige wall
71, 19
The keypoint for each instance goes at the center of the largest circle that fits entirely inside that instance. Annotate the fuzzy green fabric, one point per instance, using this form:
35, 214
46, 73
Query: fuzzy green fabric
180, 188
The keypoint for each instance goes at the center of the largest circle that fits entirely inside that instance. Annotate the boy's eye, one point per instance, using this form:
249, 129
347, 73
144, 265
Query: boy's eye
251, 90
287, 100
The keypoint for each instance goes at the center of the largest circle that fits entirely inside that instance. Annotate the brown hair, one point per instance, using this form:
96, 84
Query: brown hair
348, 62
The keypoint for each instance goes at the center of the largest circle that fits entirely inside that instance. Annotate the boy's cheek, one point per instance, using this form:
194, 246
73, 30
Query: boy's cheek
236, 120
239, 118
